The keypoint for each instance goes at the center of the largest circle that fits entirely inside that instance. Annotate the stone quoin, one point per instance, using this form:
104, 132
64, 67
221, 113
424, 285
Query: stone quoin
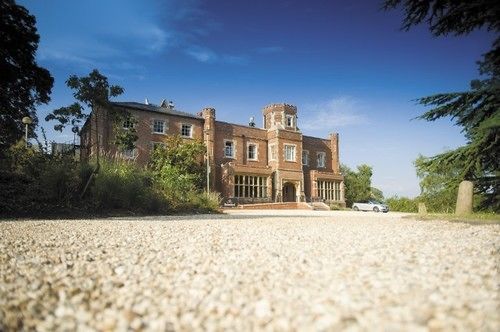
276, 163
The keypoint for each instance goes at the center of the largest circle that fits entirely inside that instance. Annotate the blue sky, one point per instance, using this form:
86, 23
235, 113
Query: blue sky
345, 64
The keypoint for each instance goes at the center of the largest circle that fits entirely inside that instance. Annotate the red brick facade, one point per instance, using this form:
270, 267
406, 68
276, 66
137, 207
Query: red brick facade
248, 163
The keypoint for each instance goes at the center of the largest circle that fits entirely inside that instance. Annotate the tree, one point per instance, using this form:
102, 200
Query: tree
94, 92
23, 84
477, 111
358, 184
438, 187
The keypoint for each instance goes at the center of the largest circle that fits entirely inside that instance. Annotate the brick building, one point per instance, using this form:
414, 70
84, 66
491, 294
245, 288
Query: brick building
275, 163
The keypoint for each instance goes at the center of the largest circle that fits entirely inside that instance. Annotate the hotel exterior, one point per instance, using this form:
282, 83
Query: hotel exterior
276, 163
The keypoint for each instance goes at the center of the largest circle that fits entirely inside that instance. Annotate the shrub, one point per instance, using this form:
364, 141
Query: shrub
174, 184
402, 204
34, 182
122, 185
335, 207
206, 202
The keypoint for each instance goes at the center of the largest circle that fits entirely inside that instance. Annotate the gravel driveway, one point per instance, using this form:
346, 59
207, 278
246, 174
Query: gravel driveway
250, 270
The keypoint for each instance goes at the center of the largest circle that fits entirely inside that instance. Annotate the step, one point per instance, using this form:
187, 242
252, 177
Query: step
277, 206
320, 206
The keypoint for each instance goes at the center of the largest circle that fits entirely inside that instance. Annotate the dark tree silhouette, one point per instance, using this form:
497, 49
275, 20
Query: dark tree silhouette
23, 84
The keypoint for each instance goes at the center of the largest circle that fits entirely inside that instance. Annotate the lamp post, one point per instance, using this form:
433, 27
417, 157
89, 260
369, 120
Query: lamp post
75, 131
27, 121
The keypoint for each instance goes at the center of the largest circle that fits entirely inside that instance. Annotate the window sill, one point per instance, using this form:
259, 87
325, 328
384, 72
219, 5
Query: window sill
156, 133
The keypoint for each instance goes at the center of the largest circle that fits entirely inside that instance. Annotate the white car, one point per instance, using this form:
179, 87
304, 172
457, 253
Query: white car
370, 205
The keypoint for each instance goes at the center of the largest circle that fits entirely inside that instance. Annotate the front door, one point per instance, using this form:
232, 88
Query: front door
289, 194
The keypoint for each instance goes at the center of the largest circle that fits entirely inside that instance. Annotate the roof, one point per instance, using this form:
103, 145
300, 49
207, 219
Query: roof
154, 108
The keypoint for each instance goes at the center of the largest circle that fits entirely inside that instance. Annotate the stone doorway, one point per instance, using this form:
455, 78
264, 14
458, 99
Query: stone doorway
289, 192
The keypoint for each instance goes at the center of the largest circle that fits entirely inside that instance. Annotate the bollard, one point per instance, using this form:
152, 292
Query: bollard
464, 198
422, 209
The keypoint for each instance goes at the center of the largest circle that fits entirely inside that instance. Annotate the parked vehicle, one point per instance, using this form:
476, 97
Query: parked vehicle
370, 205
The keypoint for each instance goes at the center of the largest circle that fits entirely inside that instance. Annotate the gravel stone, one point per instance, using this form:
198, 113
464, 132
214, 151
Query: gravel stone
250, 270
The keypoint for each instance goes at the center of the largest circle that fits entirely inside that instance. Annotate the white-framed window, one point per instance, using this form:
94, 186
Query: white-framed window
159, 126
321, 159
130, 153
329, 190
250, 186
186, 130
272, 152
228, 149
305, 157
128, 123
252, 151
289, 121
155, 145
289, 152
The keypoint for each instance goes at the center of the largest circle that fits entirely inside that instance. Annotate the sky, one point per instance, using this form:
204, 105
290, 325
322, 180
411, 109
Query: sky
346, 65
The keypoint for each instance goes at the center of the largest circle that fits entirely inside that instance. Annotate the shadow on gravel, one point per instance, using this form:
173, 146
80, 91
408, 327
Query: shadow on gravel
238, 216
455, 219
215, 217
123, 216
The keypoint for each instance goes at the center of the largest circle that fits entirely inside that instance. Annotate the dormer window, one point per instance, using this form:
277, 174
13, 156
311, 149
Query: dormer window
289, 121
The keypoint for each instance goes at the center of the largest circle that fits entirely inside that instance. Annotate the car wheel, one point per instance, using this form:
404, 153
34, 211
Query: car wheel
375, 209
355, 208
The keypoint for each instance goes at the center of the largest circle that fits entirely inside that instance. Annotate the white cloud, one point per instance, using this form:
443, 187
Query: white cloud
206, 55
153, 38
336, 112
47, 54
202, 54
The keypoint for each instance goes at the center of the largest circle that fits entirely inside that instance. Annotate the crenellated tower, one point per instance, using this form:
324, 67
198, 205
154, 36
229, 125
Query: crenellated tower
280, 116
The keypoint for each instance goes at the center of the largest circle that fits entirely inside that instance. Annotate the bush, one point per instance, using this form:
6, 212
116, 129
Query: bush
206, 202
122, 185
34, 182
175, 185
335, 207
402, 204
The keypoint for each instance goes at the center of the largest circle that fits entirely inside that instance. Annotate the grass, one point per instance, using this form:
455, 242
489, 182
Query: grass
480, 218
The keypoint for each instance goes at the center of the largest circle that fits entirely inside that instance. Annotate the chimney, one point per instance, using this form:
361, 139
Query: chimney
208, 114
334, 146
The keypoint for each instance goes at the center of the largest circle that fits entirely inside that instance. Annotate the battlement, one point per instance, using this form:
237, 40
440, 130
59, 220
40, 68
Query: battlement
280, 107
